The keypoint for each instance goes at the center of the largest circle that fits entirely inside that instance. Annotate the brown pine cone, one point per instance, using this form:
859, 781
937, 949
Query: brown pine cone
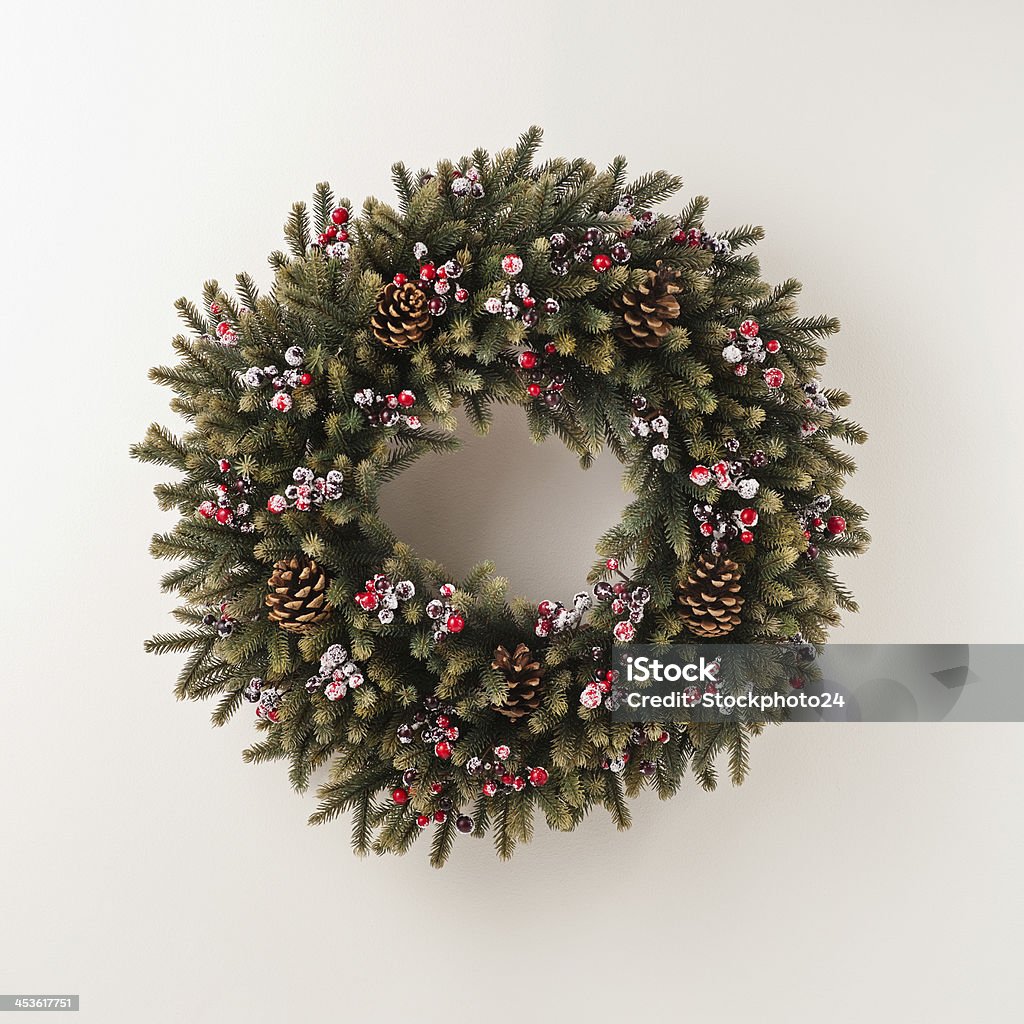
297, 596
524, 675
649, 310
712, 597
402, 317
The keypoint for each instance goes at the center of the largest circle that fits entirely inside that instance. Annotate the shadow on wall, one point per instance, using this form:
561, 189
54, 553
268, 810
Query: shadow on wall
528, 508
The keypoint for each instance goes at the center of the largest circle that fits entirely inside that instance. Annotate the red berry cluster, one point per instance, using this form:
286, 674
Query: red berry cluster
441, 280
544, 373
382, 596
390, 410
698, 238
746, 348
283, 381
334, 237
503, 776
447, 618
435, 724
266, 698
818, 525
601, 248
227, 509
442, 805
600, 690
515, 300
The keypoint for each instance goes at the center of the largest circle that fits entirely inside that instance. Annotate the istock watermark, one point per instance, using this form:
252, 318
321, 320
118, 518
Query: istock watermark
794, 680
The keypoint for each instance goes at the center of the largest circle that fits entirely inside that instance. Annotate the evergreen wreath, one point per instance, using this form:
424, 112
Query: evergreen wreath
441, 705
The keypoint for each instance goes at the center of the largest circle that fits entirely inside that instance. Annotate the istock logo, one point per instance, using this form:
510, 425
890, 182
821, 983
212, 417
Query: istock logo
642, 669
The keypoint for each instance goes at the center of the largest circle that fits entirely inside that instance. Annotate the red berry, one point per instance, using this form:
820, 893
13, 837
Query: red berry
796, 682
836, 525
342, 236
207, 509
507, 778
664, 738
772, 346
428, 272
774, 377
443, 721
406, 399
273, 714
440, 817
748, 517
679, 236
436, 787
707, 529
538, 776
214, 308
533, 390
529, 302
223, 515
818, 521
339, 215
601, 262
461, 295
399, 279
443, 749
323, 239
331, 231
550, 348
456, 623
807, 534
400, 795
422, 820
747, 537
305, 379
488, 789
527, 360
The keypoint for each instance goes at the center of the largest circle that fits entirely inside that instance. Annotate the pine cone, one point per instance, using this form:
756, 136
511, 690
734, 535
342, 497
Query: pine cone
649, 311
298, 594
524, 675
402, 318
711, 597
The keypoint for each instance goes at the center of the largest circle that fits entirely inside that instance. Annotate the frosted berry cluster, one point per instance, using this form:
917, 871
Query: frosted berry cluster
307, 492
382, 596
746, 348
445, 616
266, 698
230, 506
646, 424
333, 240
337, 675
391, 410
284, 382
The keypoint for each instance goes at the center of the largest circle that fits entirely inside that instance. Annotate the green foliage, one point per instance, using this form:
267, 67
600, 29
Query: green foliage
476, 211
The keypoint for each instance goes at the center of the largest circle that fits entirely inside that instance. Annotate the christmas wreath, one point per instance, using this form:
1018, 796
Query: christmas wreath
444, 706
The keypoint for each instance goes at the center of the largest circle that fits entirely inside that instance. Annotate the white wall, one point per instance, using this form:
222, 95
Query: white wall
863, 873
